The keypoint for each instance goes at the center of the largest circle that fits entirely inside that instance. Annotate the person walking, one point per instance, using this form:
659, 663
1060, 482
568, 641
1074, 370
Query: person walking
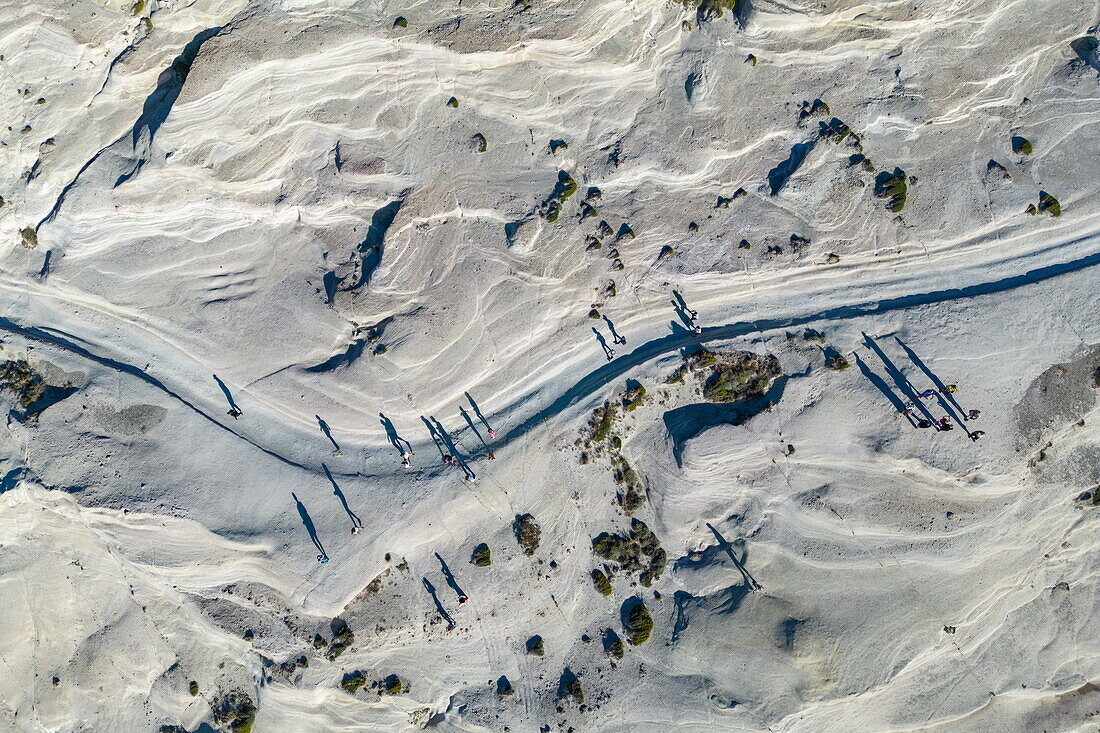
977, 435
927, 394
973, 414
949, 388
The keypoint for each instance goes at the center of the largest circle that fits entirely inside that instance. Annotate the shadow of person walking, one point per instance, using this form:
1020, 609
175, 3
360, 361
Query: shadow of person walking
438, 605
356, 522
396, 440
308, 522
234, 411
607, 350
328, 434
451, 579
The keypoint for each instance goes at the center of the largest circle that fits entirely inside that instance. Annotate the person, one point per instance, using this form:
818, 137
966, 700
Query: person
693, 315
234, 413
907, 410
356, 529
610, 353
922, 423
462, 599
928, 394
490, 457
619, 340
697, 329
448, 459
492, 433
948, 388
977, 435
945, 423
322, 558
469, 478
973, 414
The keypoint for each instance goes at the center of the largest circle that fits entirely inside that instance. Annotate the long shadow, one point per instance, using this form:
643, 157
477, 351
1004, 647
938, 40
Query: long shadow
477, 411
440, 446
449, 576
681, 307
227, 393
158, 105
940, 386
607, 350
684, 423
900, 380
399, 443
729, 551
880, 383
470, 421
438, 606
614, 334
327, 431
779, 175
308, 522
355, 520
449, 442
372, 246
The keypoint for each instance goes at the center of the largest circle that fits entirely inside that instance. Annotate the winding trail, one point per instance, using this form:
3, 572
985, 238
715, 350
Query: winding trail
615, 369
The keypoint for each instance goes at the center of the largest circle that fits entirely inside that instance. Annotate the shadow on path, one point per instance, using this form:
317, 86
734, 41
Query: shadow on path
449, 576
940, 386
355, 520
308, 522
438, 606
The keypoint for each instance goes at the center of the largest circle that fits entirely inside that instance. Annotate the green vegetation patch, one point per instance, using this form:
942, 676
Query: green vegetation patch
633, 397
235, 710
1049, 204
603, 585
892, 186
612, 644
481, 556
639, 551
193, 688
352, 681
637, 623
528, 533
1021, 145
391, 685
708, 10
28, 237
342, 638
479, 143
728, 378
569, 686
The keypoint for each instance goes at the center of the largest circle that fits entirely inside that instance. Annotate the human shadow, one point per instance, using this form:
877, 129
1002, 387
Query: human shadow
900, 380
470, 421
616, 337
607, 350
399, 443
355, 520
477, 411
450, 443
227, 393
940, 386
682, 310
438, 605
739, 563
439, 445
308, 522
883, 387
328, 432
449, 576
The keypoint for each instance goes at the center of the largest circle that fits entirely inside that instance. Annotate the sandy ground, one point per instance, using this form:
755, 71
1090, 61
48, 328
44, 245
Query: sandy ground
283, 194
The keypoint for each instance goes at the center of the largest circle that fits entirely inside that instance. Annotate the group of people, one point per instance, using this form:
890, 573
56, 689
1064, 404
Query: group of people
944, 423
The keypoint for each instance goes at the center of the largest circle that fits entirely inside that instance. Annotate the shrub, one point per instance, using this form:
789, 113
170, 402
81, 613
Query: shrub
235, 710
193, 688
342, 638
352, 681
534, 646
1021, 145
603, 585
633, 397
1049, 204
479, 143
481, 556
23, 381
666, 252
504, 687
453, 102
29, 237
392, 685
612, 644
400, 22
527, 533
892, 186
570, 686
638, 624
594, 314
